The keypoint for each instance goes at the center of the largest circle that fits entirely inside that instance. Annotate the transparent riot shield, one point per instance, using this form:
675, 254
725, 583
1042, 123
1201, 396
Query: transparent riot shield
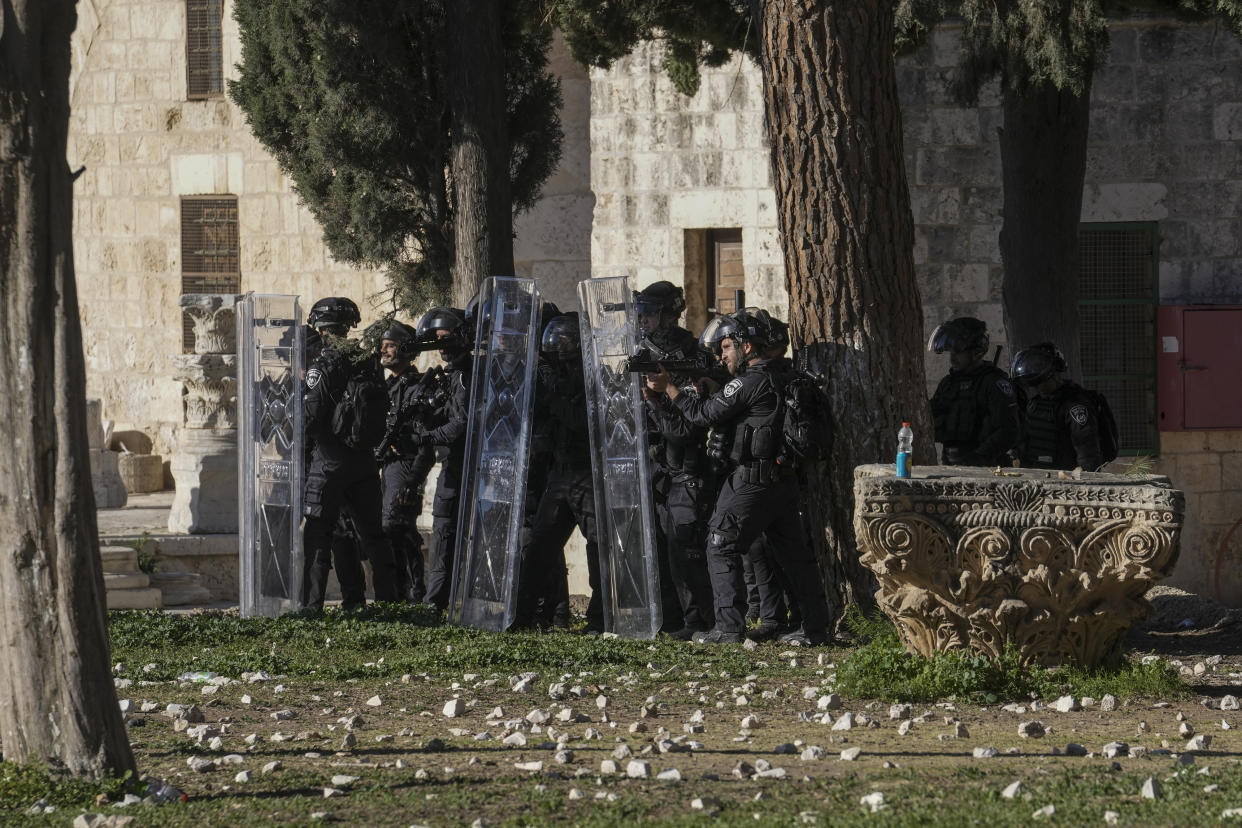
625, 514
269, 442
493, 490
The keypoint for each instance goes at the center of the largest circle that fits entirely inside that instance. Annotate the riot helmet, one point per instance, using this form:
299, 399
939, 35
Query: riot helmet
404, 336
547, 312
1031, 366
778, 336
713, 333
334, 314
660, 297
443, 319
561, 339
962, 335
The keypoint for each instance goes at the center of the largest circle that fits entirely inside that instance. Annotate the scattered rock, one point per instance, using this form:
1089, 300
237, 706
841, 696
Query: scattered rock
899, 711
1199, 743
529, 766
329, 793
538, 716
1229, 703
785, 749
283, 715
1114, 749
960, 731
845, 722
607, 767
199, 764
751, 722
1111, 817
454, 708
1013, 789
904, 727
829, 702
1075, 749
1031, 730
670, 775
271, 767
1108, 703
374, 701
1066, 704
515, 739
1151, 788
874, 801
985, 752
850, 754
1044, 812
813, 753
705, 803
341, 780
638, 769
242, 776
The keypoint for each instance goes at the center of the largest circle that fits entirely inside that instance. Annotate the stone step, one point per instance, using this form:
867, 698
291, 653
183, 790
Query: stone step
149, 598
181, 588
119, 558
126, 580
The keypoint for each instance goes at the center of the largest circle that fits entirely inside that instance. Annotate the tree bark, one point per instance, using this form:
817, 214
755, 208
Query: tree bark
479, 165
1043, 148
57, 701
834, 123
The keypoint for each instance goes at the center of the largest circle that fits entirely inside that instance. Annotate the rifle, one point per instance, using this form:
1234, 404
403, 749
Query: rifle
649, 358
412, 406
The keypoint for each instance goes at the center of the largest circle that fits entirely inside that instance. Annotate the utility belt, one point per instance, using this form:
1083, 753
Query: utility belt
685, 458
761, 472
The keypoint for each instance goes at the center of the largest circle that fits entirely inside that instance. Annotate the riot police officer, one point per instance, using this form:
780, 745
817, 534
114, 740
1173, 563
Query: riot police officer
759, 495
569, 499
404, 467
340, 475
444, 427
1062, 429
975, 409
683, 484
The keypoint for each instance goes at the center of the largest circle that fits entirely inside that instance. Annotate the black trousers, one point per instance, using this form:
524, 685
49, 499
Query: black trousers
684, 503
443, 536
568, 501
327, 493
403, 501
743, 512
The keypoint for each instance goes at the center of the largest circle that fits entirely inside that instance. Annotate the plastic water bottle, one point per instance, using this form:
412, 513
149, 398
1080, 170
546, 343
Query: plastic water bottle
905, 447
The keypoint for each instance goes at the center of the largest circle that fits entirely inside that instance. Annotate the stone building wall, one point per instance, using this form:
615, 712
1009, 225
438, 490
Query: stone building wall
1165, 146
144, 145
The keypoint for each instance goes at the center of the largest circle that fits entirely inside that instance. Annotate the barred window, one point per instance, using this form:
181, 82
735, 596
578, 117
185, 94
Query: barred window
204, 50
1118, 271
210, 253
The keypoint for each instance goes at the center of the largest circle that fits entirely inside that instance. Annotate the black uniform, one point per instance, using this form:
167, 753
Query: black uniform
404, 470
568, 500
1062, 430
684, 490
976, 415
339, 476
757, 497
446, 430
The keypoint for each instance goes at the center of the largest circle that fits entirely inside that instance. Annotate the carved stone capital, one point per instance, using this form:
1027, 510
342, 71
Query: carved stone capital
971, 560
215, 321
210, 382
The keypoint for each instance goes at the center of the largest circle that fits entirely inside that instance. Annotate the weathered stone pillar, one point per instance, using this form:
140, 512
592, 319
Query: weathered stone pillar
105, 475
204, 466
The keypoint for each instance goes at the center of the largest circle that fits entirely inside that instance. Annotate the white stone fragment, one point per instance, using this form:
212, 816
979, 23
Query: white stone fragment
638, 769
374, 701
1031, 730
1066, 704
1151, 788
670, 775
271, 767
529, 766
904, 727
1199, 742
242, 776
850, 754
1044, 812
1013, 789
1229, 703
985, 752
874, 801
845, 722
1108, 703
454, 708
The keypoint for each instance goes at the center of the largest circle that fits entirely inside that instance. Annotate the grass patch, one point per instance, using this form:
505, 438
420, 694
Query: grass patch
381, 642
883, 669
23, 785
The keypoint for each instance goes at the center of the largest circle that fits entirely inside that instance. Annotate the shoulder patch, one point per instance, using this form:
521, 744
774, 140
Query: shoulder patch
733, 387
1078, 413
313, 376
1005, 387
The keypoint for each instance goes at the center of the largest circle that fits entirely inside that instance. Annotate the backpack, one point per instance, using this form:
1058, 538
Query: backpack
360, 417
806, 423
1110, 434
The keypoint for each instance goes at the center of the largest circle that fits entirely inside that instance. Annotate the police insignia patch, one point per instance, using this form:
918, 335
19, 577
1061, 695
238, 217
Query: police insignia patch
1078, 414
1005, 387
312, 377
732, 387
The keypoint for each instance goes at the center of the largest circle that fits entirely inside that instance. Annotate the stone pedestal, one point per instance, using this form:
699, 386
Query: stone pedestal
969, 559
205, 471
105, 475
204, 466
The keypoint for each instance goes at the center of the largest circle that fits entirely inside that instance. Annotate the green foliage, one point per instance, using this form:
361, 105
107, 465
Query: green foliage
23, 785
350, 98
148, 553
696, 33
883, 669
1140, 466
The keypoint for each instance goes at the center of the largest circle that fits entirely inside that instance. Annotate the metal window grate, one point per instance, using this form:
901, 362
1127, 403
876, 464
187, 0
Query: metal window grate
204, 49
1117, 312
210, 252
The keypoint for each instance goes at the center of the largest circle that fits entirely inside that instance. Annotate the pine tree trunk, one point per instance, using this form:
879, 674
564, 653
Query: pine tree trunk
57, 701
1043, 160
844, 209
479, 165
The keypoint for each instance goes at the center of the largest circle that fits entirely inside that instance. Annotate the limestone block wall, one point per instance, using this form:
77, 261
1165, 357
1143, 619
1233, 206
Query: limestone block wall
663, 164
144, 146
